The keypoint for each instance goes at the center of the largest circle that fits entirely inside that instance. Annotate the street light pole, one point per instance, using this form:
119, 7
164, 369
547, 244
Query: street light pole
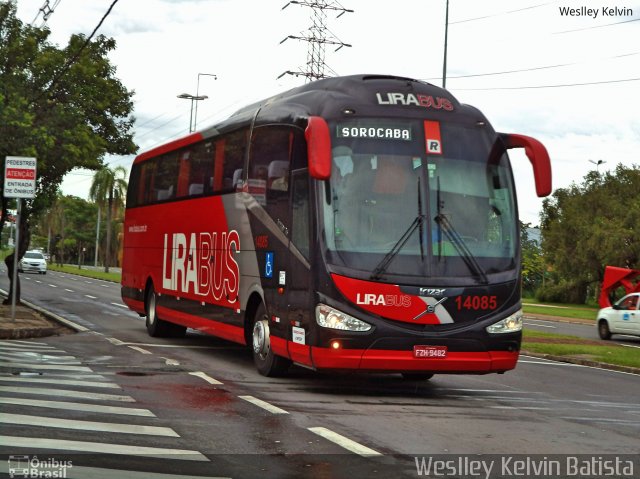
187, 96
215, 77
597, 163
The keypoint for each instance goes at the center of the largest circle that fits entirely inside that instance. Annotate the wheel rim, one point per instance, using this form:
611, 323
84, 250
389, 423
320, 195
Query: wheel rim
261, 343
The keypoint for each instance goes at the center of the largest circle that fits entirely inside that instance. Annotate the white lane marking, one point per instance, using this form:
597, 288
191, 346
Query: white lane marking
264, 405
69, 290
169, 361
121, 305
344, 442
77, 406
597, 419
206, 377
89, 282
101, 447
63, 382
66, 393
550, 362
630, 346
527, 323
25, 420
140, 350
53, 285
38, 281
152, 345
114, 341
90, 297
45, 366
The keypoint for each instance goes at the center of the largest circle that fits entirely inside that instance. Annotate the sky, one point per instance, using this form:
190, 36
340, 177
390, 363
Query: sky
571, 81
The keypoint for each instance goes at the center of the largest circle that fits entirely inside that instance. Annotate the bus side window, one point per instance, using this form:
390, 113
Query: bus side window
229, 159
166, 177
300, 211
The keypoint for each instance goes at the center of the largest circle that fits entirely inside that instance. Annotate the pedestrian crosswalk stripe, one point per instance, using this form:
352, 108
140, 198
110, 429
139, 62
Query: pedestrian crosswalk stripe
39, 359
26, 420
36, 355
76, 406
66, 393
59, 367
101, 447
63, 382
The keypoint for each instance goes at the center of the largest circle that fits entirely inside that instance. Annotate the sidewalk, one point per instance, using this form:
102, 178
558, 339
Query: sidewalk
28, 323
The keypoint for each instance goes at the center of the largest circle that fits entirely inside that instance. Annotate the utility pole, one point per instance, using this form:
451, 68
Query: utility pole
446, 34
317, 37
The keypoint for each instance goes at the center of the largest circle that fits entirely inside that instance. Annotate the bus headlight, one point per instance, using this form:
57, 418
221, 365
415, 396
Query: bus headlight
327, 317
510, 324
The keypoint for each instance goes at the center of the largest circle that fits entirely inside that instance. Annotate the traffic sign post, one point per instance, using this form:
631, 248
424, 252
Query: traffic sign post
19, 182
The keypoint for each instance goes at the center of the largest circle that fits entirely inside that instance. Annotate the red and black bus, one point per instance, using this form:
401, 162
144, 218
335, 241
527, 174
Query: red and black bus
366, 222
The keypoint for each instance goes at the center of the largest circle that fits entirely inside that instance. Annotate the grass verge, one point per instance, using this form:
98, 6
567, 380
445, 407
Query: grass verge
574, 348
90, 273
564, 312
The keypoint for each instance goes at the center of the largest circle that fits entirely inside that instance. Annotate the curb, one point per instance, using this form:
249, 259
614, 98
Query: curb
582, 362
22, 333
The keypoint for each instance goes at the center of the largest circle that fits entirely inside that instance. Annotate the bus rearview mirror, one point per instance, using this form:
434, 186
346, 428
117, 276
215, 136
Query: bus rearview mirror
538, 156
318, 148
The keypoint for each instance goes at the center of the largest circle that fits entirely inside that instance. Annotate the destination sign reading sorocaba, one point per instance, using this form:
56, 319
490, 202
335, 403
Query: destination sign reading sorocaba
375, 132
19, 177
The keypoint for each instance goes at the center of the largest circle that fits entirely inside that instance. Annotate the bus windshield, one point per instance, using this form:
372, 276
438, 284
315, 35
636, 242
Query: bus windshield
416, 198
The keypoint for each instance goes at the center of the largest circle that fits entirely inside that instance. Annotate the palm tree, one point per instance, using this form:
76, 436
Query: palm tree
108, 189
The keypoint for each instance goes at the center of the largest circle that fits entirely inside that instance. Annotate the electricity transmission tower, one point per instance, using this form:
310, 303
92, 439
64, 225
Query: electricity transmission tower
318, 37
46, 10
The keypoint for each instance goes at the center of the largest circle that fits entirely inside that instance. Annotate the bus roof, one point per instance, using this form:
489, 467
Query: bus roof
337, 97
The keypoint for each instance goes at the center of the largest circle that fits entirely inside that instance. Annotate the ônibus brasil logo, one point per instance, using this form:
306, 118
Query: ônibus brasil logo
204, 265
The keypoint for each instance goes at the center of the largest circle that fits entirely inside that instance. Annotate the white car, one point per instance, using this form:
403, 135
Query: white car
621, 318
33, 261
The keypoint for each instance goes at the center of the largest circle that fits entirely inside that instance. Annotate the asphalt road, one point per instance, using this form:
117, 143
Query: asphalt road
198, 408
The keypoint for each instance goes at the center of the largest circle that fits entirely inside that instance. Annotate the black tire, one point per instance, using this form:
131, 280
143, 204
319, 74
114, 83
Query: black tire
156, 327
267, 363
417, 376
603, 329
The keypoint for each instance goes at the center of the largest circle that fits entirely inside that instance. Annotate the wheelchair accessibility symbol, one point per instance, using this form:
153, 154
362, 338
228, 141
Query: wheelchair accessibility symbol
268, 265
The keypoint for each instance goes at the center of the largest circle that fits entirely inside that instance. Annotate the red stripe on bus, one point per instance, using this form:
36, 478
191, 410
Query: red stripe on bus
174, 145
208, 326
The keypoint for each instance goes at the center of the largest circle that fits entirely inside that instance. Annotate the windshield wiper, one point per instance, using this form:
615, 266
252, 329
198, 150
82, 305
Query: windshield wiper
461, 247
381, 268
417, 223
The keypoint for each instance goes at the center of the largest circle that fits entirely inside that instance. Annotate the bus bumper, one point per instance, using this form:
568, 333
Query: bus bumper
378, 360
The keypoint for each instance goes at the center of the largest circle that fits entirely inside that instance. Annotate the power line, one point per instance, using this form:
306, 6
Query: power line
73, 59
597, 26
544, 67
502, 13
46, 10
553, 86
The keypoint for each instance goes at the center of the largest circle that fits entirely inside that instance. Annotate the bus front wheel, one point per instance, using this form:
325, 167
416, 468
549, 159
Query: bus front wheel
267, 363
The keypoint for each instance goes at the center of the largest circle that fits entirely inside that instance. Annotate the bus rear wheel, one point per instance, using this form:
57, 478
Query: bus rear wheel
156, 327
267, 363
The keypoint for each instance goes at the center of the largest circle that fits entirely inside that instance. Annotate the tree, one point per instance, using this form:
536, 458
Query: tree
586, 227
533, 266
63, 106
109, 188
